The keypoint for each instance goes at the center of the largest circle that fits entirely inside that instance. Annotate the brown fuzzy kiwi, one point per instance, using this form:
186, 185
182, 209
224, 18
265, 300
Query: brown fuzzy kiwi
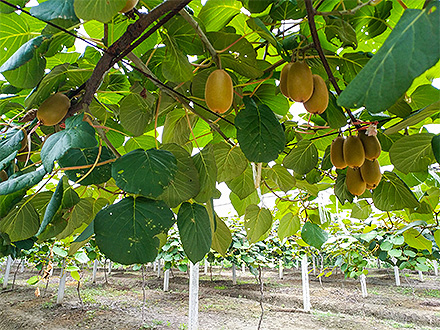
129, 5
219, 91
354, 154
318, 102
284, 79
370, 172
53, 109
354, 181
300, 82
3, 175
371, 145
337, 153
24, 140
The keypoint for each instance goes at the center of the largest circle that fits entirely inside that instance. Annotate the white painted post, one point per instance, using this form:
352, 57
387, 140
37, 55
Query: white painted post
234, 274
281, 269
23, 262
158, 268
314, 264
62, 284
435, 265
420, 276
166, 280
379, 264
243, 268
396, 275
305, 284
109, 267
206, 267
297, 265
8, 270
193, 315
95, 269
154, 265
363, 285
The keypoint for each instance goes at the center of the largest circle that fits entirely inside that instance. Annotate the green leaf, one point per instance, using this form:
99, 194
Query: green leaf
81, 213
240, 205
175, 65
5, 9
10, 141
281, 176
145, 172
52, 207
78, 134
313, 235
412, 153
361, 210
278, 103
382, 81
258, 26
140, 142
185, 184
437, 237
221, 236
259, 132
23, 55
184, 35
216, 14
289, 225
22, 181
82, 157
136, 112
22, 221
230, 161
341, 190
435, 144
176, 128
70, 197
54, 9
126, 231
334, 115
424, 95
257, 222
9, 200
101, 10
243, 185
256, 6
205, 163
393, 194
286, 9
416, 240
338, 28
302, 158
194, 230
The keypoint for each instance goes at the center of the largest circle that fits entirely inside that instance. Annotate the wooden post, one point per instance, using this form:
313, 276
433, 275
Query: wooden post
420, 276
62, 284
234, 274
95, 269
396, 275
435, 266
166, 280
8, 270
281, 269
363, 280
305, 284
193, 315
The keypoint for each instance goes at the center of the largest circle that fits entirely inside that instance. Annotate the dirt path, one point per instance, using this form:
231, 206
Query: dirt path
336, 304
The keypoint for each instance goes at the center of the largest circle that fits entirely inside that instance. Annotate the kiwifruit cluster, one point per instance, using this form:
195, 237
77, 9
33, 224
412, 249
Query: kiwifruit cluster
299, 84
219, 91
53, 109
360, 154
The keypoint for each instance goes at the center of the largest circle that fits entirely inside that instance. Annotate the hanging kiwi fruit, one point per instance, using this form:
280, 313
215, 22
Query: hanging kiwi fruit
283, 79
371, 145
299, 82
337, 153
354, 154
318, 102
354, 182
370, 172
53, 109
219, 91
3, 175
129, 5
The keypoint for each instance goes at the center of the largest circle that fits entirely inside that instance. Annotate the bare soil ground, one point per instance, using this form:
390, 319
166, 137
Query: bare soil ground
118, 304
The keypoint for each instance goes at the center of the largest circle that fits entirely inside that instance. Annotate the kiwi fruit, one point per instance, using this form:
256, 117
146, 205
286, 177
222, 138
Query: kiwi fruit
370, 172
129, 5
300, 82
371, 145
24, 140
318, 102
355, 184
337, 153
354, 154
53, 109
283, 79
219, 91
3, 175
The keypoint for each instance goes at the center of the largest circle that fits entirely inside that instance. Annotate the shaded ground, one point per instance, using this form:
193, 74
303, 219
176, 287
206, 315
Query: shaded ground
336, 303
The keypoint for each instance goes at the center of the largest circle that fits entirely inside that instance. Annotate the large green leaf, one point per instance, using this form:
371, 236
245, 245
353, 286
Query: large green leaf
341, 190
334, 115
289, 225
287, 9
412, 153
24, 54
240, 205
22, 221
435, 144
52, 207
176, 128
145, 172
413, 43
207, 168
393, 194
184, 35
9, 200
55, 9
81, 213
257, 222
259, 132
21, 181
185, 184
361, 210
256, 6
416, 240
303, 158
313, 235
437, 237
230, 161
126, 231
194, 230
78, 134
10, 141
243, 185
221, 236
281, 176
136, 112
101, 10
175, 65
278, 103
5, 9
216, 14
81, 157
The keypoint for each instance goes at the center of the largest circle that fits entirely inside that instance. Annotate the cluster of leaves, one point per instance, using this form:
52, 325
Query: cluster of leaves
124, 185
